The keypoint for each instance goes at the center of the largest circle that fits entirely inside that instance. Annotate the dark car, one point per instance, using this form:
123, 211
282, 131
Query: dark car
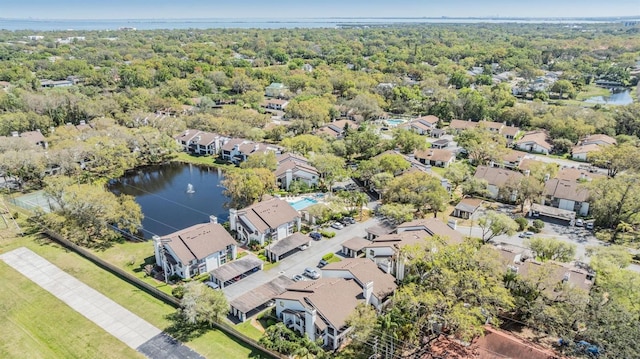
322, 263
348, 220
316, 236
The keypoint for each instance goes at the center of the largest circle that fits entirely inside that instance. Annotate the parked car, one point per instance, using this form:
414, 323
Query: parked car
347, 220
316, 236
526, 234
579, 222
311, 273
589, 225
212, 285
337, 225
322, 263
297, 278
303, 247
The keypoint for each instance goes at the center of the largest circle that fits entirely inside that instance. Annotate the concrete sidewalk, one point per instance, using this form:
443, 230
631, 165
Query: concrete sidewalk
110, 316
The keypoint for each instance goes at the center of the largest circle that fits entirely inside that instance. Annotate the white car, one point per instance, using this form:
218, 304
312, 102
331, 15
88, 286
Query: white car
298, 278
579, 222
311, 273
337, 225
303, 247
526, 234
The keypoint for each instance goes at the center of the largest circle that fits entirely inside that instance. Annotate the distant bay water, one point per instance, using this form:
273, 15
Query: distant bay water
155, 24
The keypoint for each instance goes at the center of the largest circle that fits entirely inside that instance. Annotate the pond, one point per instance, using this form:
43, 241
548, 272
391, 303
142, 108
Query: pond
174, 196
617, 97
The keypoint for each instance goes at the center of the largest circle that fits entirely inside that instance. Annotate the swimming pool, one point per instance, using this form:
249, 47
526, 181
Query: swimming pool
394, 122
303, 203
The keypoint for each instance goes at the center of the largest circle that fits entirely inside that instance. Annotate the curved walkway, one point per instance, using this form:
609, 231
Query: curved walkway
132, 330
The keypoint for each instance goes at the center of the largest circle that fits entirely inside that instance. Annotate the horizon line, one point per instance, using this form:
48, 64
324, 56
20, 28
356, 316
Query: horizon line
620, 17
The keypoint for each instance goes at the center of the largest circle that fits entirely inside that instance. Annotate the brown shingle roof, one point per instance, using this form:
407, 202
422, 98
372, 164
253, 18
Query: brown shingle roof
198, 241
586, 148
496, 176
469, 204
365, 270
269, 214
566, 189
34, 137
599, 138
323, 295
462, 125
510, 131
537, 137
356, 243
435, 154
232, 143
294, 163
434, 227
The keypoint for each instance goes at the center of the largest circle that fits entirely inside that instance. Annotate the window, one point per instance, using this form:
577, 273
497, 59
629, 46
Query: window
281, 303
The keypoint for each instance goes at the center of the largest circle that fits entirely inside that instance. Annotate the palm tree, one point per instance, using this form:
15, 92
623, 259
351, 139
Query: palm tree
359, 200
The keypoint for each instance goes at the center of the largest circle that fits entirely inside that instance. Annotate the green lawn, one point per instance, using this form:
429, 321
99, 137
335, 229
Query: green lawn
249, 330
35, 324
592, 91
212, 344
132, 257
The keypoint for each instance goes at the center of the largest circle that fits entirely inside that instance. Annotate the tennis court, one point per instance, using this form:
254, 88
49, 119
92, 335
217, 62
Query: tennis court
33, 200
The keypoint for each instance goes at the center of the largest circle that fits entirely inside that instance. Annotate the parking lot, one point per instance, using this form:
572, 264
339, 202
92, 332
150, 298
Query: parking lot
298, 261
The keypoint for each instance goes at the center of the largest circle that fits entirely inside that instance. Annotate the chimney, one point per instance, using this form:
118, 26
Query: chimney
452, 223
367, 292
157, 245
213, 219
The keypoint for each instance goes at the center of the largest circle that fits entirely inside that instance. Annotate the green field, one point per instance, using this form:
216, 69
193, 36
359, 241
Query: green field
35, 324
212, 344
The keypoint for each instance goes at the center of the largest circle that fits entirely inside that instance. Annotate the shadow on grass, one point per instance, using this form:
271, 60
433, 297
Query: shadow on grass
182, 330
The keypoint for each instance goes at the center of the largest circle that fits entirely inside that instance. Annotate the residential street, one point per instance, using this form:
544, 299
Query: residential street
297, 262
579, 236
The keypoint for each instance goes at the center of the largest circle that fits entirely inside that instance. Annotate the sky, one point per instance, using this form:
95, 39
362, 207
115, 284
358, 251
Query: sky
176, 9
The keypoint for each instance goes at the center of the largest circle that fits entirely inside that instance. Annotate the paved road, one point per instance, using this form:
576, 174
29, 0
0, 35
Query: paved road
297, 262
578, 236
132, 330
563, 162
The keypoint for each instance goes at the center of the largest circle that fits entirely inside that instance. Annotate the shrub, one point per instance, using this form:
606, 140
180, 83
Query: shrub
328, 256
204, 277
522, 223
241, 254
533, 229
271, 322
328, 234
178, 291
262, 257
254, 245
538, 224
